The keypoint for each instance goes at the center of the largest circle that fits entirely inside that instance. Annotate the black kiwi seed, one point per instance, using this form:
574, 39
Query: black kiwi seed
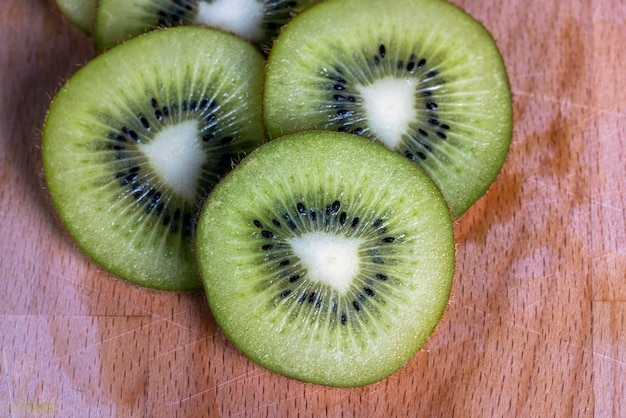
302, 298
301, 208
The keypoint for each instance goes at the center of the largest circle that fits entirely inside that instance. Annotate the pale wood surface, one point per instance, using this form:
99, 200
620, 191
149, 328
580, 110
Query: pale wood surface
536, 323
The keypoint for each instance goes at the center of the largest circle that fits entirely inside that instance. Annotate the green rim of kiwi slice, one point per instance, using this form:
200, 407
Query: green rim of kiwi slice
134, 141
326, 257
81, 13
257, 21
420, 76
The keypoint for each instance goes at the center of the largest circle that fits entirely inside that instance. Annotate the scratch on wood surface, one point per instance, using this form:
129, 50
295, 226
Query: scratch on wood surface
610, 358
184, 346
239, 378
509, 322
101, 342
608, 256
145, 311
564, 101
608, 205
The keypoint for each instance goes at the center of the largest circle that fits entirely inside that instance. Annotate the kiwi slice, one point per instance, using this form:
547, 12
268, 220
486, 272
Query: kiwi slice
257, 21
326, 257
135, 140
82, 13
420, 76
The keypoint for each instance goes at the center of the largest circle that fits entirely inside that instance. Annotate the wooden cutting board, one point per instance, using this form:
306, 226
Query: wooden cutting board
535, 326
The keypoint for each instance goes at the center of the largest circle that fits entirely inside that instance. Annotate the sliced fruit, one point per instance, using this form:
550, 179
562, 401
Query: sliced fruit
422, 77
135, 140
257, 21
327, 258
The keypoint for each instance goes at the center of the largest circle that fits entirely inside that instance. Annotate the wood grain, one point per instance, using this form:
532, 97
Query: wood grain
535, 326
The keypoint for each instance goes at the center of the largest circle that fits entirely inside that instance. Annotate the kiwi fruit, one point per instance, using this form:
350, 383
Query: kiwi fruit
422, 77
137, 137
326, 257
257, 21
81, 13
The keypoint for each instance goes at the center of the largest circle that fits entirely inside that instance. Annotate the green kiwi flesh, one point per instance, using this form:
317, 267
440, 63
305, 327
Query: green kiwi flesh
82, 13
136, 138
257, 21
326, 257
420, 76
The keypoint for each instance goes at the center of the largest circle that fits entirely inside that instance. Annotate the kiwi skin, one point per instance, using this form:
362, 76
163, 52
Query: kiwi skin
288, 341
473, 97
104, 219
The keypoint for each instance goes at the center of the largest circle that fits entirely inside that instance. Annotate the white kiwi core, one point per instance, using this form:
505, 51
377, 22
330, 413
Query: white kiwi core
389, 107
328, 258
241, 17
176, 155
